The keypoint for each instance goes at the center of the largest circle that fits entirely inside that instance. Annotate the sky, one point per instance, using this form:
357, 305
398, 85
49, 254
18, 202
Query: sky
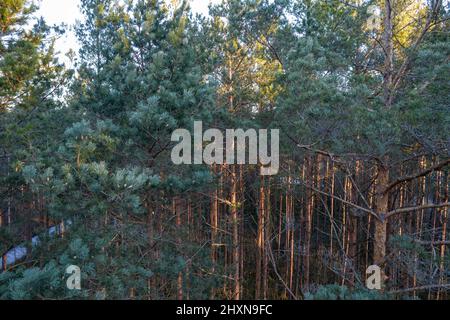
67, 11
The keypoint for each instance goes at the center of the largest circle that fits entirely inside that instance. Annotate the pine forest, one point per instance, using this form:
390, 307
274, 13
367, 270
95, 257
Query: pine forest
353, 97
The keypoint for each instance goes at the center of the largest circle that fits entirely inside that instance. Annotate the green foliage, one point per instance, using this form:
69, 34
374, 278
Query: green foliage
337, 292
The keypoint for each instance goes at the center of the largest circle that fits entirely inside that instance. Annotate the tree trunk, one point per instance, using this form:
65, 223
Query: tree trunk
260, 239
382, 197
177, 209
235, 231
381, 204
266, 243
214, 216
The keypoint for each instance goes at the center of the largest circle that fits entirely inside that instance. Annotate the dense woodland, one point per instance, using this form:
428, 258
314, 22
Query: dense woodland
359, 90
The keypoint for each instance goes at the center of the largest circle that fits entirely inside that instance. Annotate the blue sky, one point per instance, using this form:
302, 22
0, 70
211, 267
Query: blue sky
67, 11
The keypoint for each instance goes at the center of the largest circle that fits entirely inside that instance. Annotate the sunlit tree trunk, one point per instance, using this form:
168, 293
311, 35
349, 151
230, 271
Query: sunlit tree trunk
235, 233
260, 238
381, 205
214, 216
382, 201
177, 208
444, 218
308, 218
267, 233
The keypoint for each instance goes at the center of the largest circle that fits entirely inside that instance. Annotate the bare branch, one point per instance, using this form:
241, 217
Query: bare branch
428, 287
404, 67
410, 209
432, 243
369, 211
417, 175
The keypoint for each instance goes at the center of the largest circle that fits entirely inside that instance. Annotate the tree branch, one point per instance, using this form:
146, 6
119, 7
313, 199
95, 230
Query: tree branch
432, 243
404, 67
417, 175
409, 209
428, 287
343, 201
